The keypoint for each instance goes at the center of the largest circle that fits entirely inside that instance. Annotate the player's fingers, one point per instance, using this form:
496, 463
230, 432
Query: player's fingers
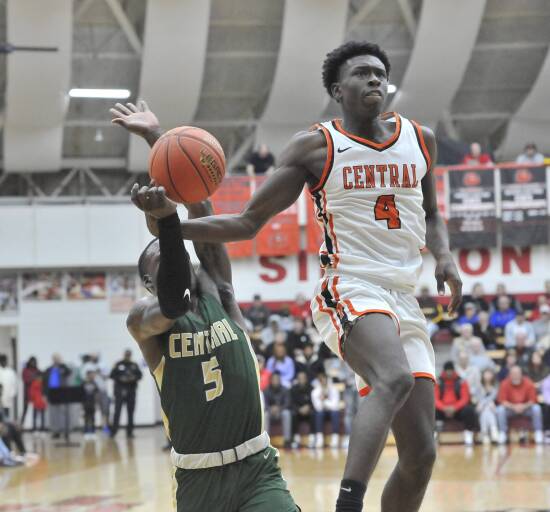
456, 294
162, 191
440, 279
143, 106
120, 122
132, 107
123, 108
116, 113
134, 191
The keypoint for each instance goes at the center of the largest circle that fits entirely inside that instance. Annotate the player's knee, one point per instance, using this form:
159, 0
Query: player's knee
420, 459
398, 385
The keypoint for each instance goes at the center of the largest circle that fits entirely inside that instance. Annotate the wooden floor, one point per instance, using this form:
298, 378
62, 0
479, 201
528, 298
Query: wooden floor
113, 476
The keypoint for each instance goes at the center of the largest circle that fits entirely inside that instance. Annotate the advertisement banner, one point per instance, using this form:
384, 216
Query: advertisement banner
472, 208
524, 199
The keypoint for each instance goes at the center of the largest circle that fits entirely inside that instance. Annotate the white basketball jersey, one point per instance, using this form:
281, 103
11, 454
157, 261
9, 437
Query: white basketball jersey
369, 204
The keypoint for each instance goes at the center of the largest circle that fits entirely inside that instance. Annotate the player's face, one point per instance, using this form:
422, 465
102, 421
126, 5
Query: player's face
363, 85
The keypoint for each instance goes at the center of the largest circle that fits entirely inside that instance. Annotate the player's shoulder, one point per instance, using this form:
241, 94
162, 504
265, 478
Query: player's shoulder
304, 146
135, 315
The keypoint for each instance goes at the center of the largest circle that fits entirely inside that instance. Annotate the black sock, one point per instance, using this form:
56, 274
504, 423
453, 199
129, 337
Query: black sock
351, 496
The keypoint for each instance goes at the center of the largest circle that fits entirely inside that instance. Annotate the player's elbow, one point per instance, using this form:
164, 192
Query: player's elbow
252, 225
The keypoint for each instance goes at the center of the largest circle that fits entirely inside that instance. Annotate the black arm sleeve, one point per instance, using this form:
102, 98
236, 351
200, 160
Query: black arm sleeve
174, 275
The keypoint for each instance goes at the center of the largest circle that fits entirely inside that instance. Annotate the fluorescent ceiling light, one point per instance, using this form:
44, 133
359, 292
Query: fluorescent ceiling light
117, 94
392, 88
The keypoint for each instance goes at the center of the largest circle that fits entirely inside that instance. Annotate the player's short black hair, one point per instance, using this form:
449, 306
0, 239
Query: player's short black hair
141, 261
335, 59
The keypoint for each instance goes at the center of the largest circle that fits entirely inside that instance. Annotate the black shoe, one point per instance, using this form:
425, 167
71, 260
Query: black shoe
56, 435
130, 435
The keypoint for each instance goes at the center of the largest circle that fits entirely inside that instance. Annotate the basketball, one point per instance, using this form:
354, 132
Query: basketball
188, 162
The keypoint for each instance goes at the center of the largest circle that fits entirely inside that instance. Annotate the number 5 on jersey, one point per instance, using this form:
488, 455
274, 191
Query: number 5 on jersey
385, 209
212, 374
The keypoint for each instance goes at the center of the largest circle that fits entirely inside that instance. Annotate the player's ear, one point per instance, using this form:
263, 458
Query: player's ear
336, 91
147, 282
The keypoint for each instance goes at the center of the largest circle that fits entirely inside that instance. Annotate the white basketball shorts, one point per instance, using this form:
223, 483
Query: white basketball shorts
339, 301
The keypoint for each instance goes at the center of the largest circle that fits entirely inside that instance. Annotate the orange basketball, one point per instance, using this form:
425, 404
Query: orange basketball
188, 162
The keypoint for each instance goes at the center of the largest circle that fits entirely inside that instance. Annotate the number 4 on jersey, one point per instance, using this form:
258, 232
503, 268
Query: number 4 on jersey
385, 209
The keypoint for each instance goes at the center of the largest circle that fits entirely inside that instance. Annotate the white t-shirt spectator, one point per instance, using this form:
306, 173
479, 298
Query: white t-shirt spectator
8, 381
327, 399
513, 328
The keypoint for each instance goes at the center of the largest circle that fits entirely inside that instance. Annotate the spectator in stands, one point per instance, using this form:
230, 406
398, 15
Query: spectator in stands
302, 406
518, 397
278, 407
502, 315
477, 297
535, 313
8, 381
463, 343
326, 402
502, 292
56, 376
258, 314
523, 349
6, 458
38, 402
536, 370
30, 372
91, 397
432, 310
469, 373
530, 155
541, 327
265, 374
301, 307
11, 436
470, 315
510, 361
281, 363
479, 357
297, 338
519, 327
486, 407
476, 156
260, 162
545, 393
452, 401
126, 375
271, 330
308, 361
484, 330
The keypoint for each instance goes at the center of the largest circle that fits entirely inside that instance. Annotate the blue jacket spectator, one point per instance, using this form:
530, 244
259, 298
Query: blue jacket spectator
282, 364
470, 315
502, 315
519, 326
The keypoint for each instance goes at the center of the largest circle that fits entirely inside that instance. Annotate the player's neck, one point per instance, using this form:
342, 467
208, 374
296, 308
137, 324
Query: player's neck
371, 128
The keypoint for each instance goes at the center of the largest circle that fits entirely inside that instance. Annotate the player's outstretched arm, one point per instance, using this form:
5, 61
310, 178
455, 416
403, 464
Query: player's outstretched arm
437, 238
278, 192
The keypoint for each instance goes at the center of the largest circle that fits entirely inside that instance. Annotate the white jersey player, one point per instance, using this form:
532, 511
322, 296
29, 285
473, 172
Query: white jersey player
369, 205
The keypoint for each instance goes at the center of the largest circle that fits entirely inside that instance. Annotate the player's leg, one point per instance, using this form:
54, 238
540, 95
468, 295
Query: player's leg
261, 485
130, 408
118, 410
413, 428
374, 351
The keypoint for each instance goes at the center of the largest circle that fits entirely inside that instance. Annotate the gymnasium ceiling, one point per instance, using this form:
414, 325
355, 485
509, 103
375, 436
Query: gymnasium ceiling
501, 64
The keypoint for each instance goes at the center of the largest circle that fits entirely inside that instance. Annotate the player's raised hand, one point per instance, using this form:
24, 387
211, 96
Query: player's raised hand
136, 119
446, 272
152, 200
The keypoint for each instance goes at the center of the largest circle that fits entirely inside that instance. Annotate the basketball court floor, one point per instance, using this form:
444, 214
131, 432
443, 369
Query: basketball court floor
114, 476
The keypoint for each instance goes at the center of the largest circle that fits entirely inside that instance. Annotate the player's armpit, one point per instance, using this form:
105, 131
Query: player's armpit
145, 321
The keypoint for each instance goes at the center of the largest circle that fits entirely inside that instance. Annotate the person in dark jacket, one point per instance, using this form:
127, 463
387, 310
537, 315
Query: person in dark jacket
277, 407
302, 407
126, 374
452, 401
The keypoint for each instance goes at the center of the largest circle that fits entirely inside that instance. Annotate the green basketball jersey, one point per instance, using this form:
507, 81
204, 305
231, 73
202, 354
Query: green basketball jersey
208, 382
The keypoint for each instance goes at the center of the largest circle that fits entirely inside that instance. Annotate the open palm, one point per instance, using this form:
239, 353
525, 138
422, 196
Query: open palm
136, 119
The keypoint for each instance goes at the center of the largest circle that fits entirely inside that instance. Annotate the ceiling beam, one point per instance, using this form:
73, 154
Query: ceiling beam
84, 6
408, 16
510, 46
480, 116
125, 25
362, 14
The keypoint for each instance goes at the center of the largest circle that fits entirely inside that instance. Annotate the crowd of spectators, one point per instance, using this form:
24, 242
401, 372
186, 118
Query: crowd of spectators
499, 367
42, 389
306, 389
